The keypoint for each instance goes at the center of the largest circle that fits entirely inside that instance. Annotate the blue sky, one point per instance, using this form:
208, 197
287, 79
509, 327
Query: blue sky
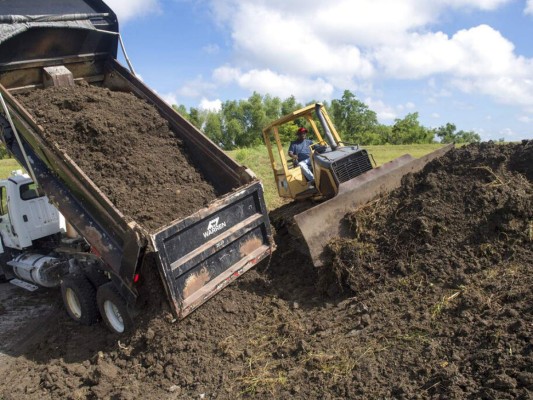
469, 62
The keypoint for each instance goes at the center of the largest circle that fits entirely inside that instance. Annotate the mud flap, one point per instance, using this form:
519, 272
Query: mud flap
320, 224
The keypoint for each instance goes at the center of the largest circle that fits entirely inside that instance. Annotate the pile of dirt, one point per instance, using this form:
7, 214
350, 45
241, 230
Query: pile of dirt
435, 302
447, 261
126, 148
465, 212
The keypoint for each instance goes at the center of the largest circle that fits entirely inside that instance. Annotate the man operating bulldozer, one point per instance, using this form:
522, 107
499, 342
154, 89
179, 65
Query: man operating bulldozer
300, 151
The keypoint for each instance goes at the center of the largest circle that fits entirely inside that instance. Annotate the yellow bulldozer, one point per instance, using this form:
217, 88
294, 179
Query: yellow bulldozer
345, 177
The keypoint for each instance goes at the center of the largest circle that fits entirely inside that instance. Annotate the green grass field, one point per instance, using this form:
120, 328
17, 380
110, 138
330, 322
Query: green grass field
6, 166
257, 160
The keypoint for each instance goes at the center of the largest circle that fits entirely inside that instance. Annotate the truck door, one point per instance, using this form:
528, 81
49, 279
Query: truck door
39, 216
6, 229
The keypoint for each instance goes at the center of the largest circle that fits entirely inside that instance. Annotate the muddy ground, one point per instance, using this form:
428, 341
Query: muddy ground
125, 147
430, 298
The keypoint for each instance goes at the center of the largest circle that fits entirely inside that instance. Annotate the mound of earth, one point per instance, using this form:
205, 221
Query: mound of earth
126, 148
447, 261
435, 301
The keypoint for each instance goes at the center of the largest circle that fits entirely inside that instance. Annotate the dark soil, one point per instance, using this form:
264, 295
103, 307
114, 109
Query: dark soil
126, 148
430, 298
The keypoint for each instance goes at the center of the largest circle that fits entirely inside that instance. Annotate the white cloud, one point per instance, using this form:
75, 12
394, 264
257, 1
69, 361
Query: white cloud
529, 7
281, 85
267, 36
508, 133
312, 48
525, 119
435, 115
197, 88
210, 105
130, 9
170, 98
477, 60
479, 50
481, 4
383, 111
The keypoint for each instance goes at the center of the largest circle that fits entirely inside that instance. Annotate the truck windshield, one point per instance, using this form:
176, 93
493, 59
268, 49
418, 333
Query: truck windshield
28, 191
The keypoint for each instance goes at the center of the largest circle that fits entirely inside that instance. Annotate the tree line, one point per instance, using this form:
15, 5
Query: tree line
239, 123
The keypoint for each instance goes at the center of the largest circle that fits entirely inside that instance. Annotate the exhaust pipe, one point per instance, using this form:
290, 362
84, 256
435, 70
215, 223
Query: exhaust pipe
325, 126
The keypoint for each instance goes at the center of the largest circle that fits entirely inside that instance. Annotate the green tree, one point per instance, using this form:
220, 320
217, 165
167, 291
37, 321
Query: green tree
213, 128
197, 117
254, 118
408, 130
272, 107
447, 134
182, 110
288, 132
353, 119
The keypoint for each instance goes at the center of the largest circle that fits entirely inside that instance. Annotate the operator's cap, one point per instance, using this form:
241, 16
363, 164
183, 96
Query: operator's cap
301, 130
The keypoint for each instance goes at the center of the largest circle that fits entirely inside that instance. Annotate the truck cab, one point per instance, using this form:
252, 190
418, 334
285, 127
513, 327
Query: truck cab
25, 214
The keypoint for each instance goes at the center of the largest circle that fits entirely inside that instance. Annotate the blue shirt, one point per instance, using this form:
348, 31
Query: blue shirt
301, 148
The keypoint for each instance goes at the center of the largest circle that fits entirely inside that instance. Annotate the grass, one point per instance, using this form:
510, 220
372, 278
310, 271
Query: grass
256, 158
8, 165
386, 153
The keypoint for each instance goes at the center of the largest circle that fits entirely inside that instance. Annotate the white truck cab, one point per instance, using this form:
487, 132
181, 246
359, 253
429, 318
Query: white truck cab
25, 215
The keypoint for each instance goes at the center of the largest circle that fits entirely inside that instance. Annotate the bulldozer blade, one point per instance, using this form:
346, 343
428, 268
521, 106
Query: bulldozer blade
320, 224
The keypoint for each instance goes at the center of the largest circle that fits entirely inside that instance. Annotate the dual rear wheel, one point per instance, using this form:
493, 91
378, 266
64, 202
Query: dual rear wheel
87, 303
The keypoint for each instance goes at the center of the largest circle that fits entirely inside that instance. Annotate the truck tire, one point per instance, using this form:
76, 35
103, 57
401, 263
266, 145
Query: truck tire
79, 298
114, 309
96, 277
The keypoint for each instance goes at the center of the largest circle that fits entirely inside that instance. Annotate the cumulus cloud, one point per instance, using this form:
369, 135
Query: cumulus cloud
529, 7
281, 85
312, 48
197, 88
210, 105
480, 4
292, 44
130, 9
384, 112
479, 59
170, 98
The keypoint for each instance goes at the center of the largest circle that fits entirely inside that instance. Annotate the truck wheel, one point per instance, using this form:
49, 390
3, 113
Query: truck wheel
79, 298
114, 309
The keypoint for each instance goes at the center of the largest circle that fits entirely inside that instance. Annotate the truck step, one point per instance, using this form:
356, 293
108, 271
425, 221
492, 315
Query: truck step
24, 285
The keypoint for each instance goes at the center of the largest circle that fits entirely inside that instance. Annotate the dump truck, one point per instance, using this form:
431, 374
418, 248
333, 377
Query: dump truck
345, 177
98, 257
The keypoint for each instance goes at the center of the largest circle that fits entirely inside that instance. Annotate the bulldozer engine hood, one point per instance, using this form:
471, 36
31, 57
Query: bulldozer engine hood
345, 162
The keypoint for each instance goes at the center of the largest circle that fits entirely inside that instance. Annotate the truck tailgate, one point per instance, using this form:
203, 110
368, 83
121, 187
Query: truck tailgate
203, 253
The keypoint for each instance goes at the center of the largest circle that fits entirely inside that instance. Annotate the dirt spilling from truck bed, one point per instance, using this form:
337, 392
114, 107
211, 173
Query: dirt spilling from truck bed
125, 147
431, 298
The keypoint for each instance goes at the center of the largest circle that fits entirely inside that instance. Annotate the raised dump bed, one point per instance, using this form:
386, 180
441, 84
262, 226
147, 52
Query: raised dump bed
130, 174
